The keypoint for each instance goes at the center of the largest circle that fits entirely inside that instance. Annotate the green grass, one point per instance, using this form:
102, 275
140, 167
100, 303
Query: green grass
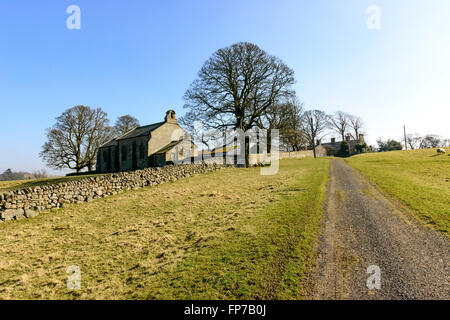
231, 234
6, 186
419, 179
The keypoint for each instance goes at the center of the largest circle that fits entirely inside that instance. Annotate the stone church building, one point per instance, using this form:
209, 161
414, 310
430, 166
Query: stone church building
154, 145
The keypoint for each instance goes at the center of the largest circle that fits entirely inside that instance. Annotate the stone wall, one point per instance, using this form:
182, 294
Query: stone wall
296, 154
27, 203
265, 159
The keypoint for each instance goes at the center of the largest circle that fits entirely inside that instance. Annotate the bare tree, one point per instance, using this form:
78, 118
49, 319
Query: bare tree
313, 125
275, 116
431, 141
74, 140
40, 174
192, 124
413, 141
236, 85
339, 122
124, 124
357, 124
446, 142
287, 117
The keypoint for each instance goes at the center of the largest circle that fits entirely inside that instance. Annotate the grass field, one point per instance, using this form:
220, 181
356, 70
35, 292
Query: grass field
6, 186
231, 234
420, 179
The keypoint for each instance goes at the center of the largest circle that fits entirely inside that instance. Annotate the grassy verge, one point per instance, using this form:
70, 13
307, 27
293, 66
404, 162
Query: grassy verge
419, 179
232, 234
6, 186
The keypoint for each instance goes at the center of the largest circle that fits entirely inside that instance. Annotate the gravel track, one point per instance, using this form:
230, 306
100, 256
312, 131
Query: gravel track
363, 228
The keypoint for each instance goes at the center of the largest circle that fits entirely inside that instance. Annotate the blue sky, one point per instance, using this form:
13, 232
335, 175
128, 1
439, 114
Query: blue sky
139, 57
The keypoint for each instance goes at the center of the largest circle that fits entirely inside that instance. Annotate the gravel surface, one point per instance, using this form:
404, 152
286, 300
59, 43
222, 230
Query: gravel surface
363, 228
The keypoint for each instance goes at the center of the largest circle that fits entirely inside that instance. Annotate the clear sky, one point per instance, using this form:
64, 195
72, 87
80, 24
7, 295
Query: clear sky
139, 57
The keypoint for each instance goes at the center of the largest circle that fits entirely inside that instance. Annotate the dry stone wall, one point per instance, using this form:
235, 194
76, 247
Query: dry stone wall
300, 154
27, 203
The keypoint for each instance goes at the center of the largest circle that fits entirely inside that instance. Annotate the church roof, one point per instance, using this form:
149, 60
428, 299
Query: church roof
110, 143
141, 131
133, 133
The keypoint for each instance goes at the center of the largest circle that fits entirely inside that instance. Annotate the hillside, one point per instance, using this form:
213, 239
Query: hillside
231, 234
419, 179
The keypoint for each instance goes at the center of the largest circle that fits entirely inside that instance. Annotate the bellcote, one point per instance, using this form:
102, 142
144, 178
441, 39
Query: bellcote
171, 117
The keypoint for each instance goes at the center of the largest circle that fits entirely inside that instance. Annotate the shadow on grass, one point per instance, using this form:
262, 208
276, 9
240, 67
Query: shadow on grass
437, 155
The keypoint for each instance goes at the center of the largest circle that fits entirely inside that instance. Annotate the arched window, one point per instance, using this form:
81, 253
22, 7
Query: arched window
124, 153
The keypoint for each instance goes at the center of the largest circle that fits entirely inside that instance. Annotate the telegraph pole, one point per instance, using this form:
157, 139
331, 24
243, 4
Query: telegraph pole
404, 132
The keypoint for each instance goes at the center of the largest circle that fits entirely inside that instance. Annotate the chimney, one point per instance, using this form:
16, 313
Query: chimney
171, 117
361, 138
319, 142
347, 138
333, 140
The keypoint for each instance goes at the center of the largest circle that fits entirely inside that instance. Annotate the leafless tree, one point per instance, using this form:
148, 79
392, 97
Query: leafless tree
431, 141
340, 123
40, 174
74, 140
124, 124
236, 86
194, 126
446, 142
413, 140
313, 124
357, 124
286, 116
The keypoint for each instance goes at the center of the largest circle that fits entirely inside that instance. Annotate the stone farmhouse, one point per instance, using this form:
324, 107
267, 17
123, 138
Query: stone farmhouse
154, 145
335, 146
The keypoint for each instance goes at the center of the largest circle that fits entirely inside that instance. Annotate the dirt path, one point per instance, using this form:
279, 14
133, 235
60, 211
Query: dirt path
362, 228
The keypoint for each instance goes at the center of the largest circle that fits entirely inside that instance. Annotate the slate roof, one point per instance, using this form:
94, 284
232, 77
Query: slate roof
110, 143
337, 145
136, 132
141, 131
